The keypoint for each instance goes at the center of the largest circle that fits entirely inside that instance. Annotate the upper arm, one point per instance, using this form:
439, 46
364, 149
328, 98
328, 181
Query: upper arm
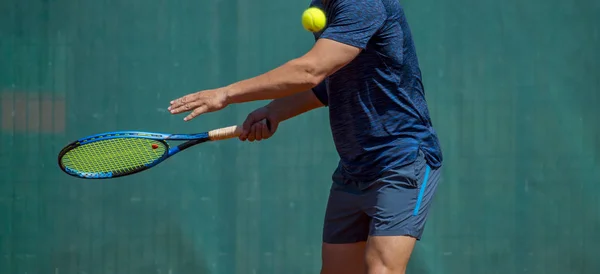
328, 56
352, 23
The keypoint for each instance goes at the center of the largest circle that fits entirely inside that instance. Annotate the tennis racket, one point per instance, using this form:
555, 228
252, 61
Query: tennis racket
122, 153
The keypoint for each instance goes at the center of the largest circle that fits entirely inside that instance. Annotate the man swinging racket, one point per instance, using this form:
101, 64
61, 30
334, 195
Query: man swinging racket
364, 67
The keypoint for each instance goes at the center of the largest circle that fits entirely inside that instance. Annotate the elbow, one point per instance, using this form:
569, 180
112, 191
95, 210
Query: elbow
313, 76
314, 81
310, 73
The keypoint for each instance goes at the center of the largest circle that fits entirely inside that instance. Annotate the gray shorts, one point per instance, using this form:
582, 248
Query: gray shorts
396, 204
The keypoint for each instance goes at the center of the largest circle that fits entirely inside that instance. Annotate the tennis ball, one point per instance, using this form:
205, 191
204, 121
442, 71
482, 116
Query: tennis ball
313, 19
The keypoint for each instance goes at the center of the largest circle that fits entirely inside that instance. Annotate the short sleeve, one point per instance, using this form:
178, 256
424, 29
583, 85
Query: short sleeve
321, 92
354, 22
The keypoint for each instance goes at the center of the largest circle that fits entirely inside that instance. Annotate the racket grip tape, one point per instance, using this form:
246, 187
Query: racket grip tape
230, 132
225, 133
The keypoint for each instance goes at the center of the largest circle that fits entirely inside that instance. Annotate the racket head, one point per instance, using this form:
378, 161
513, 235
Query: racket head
113, 155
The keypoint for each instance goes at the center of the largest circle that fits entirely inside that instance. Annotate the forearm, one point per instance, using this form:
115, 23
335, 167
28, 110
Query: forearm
293, 105
292, 77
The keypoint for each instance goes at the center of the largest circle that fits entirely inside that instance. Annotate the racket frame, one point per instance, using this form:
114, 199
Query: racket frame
192, 139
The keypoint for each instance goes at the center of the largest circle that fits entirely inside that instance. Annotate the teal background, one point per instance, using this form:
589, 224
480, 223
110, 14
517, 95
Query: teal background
513, 88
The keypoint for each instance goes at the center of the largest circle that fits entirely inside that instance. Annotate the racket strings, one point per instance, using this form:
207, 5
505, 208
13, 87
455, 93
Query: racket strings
117, 155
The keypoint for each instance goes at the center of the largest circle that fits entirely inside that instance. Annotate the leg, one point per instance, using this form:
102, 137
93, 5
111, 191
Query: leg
388, 254
345, 230
343, 258
398, 205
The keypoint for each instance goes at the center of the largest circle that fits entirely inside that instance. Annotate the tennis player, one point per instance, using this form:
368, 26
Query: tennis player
364, 67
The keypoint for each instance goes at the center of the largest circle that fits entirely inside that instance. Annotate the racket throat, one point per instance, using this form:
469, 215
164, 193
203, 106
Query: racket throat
185, 145
172, 151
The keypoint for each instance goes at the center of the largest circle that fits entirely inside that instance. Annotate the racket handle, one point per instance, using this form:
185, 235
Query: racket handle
225, 133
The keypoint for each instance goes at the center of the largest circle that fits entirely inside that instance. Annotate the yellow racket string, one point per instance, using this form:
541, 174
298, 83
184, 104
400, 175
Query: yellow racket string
114, 155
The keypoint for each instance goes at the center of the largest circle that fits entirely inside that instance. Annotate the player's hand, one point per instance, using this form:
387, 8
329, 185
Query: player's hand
255, 129
199, 103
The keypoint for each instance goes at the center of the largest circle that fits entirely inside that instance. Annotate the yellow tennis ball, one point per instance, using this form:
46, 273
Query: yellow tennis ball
313, 19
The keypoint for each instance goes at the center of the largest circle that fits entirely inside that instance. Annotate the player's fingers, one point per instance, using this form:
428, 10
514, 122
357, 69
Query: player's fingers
181, 101
265, 131
199, 110
247, 125
257, 129
244, 136
185, 107
174, 104
251, 135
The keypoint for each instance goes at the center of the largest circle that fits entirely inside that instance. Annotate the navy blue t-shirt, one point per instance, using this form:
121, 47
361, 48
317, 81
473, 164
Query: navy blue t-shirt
377, 108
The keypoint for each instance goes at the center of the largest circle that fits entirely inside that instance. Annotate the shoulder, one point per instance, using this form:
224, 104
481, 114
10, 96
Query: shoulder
364, 11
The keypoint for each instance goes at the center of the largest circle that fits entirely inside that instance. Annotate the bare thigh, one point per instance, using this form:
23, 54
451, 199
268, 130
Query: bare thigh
343, 258
388, 254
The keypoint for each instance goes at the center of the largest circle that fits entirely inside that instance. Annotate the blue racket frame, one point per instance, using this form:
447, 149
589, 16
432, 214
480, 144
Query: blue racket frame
192, 139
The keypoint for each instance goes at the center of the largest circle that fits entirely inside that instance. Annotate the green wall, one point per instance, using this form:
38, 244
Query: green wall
513, 88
